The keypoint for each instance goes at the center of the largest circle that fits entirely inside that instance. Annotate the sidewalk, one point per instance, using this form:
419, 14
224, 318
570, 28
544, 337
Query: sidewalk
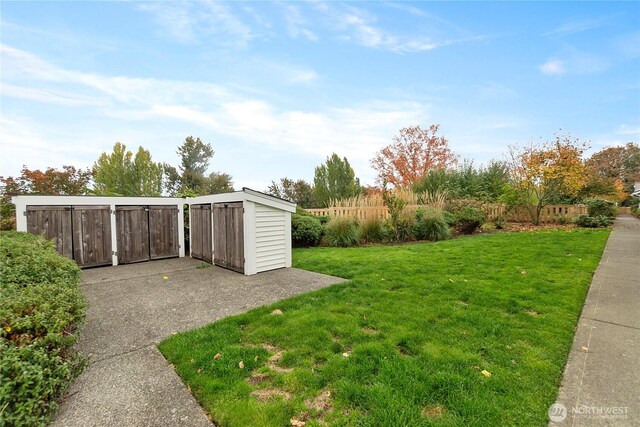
601, 382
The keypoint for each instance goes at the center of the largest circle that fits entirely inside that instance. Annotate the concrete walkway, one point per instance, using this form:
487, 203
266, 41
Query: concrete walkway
601, 383
131, 309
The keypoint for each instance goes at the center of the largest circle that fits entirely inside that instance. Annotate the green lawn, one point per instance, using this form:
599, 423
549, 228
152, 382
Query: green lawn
406, 341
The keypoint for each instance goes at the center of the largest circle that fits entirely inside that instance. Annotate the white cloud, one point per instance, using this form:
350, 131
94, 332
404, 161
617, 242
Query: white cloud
297, 24
189, 22
355, 131
553, 67
574, 27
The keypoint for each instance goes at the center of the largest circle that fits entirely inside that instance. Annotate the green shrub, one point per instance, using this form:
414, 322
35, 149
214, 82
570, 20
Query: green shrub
341, 232
469, 219
598, 221
40, 306
404, 227
372, 230
598, 207
450, 218
500, 222
430, 225
305, 230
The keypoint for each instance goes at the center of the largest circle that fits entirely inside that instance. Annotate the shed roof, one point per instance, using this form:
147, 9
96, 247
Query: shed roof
246, 194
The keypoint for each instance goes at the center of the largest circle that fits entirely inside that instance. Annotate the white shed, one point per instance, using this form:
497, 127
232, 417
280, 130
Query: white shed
246, 231
97, 230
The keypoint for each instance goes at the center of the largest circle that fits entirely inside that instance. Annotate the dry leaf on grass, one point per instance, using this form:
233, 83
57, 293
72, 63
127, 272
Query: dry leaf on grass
217, 356
277, 312
486, 373
241, 365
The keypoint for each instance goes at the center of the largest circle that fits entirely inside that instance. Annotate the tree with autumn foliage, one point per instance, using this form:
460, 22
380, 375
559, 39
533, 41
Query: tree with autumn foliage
413, 153
613, 172
67, 181
543, 173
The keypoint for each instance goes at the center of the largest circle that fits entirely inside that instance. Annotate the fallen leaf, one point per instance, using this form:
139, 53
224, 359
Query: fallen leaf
217, 356
585, 349
255, 359
8, 328
486, 373
241, 365
345, 354
451, 280
277, 312
297, 423
524, 273
165, 277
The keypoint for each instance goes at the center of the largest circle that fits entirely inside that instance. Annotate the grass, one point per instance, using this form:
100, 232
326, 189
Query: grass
406, 340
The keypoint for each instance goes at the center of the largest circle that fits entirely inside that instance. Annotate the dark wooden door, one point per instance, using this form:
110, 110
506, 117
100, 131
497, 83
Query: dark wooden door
201, 232
163, 232
53, 222
132, 228
228, 236
91, 235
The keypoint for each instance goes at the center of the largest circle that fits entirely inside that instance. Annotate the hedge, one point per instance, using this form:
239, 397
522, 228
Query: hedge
40, 307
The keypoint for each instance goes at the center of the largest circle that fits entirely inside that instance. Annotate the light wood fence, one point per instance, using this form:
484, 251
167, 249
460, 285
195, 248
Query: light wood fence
551, 214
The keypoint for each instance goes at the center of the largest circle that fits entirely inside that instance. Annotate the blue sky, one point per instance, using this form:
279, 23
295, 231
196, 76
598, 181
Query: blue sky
277, 87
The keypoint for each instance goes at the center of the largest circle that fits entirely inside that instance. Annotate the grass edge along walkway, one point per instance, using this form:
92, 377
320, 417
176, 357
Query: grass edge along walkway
470, 331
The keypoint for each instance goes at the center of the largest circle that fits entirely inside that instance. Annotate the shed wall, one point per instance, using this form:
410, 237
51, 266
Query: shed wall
270, 229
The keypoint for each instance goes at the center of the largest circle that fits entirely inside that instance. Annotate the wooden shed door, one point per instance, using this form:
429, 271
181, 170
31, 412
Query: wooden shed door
163, 232
228, 236
53, 222
91, 235
132, 224
201, 232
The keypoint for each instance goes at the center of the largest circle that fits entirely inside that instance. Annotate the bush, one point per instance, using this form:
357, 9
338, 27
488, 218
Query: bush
404, 227
372, 230
469, 219
431, 225
450, 218
599, 207
598, 221
500, 222
40, 306
341, 232
305, 230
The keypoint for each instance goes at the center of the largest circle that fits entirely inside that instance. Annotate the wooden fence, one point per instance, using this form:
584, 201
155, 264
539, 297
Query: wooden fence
551, 214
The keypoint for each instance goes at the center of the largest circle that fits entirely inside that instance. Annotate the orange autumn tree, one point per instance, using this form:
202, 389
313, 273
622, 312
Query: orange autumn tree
543, 173
413, 153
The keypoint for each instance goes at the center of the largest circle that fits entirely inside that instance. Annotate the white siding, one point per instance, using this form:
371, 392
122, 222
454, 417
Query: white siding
270, 238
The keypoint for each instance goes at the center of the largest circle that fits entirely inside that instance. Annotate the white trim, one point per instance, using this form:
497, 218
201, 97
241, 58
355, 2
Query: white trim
249, 229
114, 235
287, 239
94, 200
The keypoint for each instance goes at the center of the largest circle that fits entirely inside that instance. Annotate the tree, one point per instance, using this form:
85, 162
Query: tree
299, 191
216, 183
194, 162
613, 172
66, 181
335, 179
120, 173
541, 174
467, 181
413, 153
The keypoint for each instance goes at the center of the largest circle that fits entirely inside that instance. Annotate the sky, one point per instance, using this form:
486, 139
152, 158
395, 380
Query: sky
276, 87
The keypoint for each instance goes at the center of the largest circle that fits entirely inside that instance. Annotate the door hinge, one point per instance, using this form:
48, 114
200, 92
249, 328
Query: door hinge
24, 213
114, 253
